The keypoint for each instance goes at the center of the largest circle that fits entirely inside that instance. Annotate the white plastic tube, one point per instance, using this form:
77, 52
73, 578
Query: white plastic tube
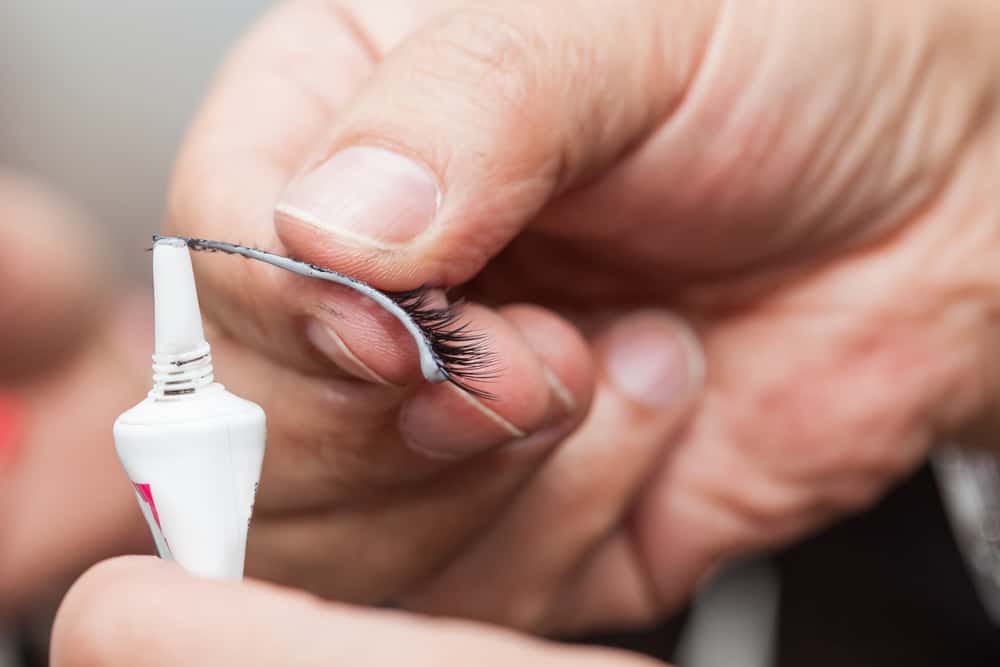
192, 449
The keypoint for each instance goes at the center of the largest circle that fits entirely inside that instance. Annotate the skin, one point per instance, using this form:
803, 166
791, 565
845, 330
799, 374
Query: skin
806, 184
287, 628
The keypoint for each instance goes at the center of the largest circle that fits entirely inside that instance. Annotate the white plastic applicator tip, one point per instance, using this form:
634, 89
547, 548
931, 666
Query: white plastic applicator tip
178, 319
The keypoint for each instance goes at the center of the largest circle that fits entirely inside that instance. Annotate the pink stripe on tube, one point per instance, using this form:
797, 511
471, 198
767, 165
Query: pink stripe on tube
147, 495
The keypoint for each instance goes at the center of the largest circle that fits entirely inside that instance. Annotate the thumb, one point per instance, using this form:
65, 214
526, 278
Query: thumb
466, 130
132, 611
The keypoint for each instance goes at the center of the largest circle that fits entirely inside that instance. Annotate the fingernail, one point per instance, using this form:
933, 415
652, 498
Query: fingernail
327, 341
563, 395
655, 359
447, 442
369, 194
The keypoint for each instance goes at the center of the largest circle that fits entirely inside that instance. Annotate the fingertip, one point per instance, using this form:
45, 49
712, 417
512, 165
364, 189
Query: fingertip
103, 582
566, 358
544, 379
654, 359
88, 628
359, 336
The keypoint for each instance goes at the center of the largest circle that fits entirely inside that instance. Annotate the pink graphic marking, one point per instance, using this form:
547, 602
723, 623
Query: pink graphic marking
146, 494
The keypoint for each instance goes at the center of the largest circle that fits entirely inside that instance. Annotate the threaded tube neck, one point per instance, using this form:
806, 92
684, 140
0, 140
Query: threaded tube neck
178, 375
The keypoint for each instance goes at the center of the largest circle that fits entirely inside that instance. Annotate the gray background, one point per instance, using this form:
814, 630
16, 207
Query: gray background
95, 96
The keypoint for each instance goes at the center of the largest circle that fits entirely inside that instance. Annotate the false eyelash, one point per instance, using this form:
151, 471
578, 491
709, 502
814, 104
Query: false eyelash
449, 351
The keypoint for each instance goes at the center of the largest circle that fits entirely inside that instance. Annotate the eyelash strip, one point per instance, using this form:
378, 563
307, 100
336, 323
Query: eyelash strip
448, 351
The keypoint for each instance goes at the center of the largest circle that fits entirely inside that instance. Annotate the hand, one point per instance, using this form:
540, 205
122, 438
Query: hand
807, 183
71, 358
132, 611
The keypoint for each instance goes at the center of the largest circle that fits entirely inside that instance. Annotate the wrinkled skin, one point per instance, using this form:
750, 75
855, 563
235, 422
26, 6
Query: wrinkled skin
806, 184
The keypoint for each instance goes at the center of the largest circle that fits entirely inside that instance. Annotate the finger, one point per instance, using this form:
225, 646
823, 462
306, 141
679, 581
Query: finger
336, 439
341, 487
466, 130
446, 422
791, 436
64, 500
536, 384
139, 610
50, 283
315, 327
537, 550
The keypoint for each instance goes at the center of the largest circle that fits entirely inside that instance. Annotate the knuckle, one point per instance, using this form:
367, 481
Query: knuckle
488, 49
813, 433
854, 493
764, 501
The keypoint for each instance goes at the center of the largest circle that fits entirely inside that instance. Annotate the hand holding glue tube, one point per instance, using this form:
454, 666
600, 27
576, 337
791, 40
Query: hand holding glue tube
192, 449
808, 184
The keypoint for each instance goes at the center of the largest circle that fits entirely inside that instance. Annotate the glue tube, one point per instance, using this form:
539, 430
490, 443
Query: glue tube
192, 450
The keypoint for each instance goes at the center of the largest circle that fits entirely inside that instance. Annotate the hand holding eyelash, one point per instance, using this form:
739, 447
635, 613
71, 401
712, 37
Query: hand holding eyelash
728, 162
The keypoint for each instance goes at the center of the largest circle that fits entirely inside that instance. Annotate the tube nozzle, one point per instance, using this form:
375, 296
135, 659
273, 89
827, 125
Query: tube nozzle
182, 361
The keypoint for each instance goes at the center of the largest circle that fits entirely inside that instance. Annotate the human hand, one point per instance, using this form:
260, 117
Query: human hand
72, 358
806, 182
139, 610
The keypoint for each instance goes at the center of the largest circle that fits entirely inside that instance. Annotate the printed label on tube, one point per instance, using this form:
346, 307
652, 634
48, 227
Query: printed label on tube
144, 493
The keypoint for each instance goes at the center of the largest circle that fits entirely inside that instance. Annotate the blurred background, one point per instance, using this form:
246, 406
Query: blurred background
94, 100
95, 96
